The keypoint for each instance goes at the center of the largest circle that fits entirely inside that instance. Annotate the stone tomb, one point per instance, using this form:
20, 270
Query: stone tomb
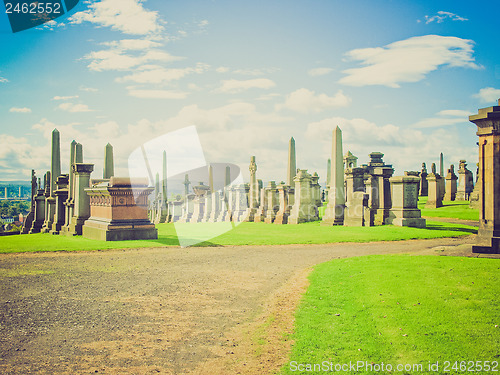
404, 211
119, 211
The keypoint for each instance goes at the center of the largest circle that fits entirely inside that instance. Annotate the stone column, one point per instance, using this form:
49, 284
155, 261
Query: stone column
424, 187
442, 181
451, 184
292, 165
201, 191
253, 197
109, 168
488, 130
316, 190
434, 199
334, 212
61, 194
186, 185
209, 196
404, 211
187, 208
31, 215
305, 207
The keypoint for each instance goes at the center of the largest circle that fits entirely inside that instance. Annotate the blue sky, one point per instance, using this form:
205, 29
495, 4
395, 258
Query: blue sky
399, 77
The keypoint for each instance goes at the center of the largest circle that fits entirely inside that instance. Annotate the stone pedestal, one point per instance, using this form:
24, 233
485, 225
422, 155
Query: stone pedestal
357, 212
39, 218
175, 209
305, 206
81, 208
465, 182
215, 207
119, 211
61, 195
239, 213
260, 215
423, 185
488, 130
404, 211
273, 202
187, 208
451, 185
434, 197
286, 200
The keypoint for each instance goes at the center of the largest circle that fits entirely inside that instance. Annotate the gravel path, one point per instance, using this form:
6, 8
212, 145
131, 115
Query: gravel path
160, 310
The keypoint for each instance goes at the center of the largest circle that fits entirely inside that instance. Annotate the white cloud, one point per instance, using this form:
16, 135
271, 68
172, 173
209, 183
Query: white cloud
488, 95
118, 59
133, 44
255, 72
234, 85
408, 60
446, 117
74, 108
222, 69
157, 94
442, 15
65, 97
158, 74
404, 148
127, 16
20, 110
203, 23
3, 80
88, 89
306, 101
319, 72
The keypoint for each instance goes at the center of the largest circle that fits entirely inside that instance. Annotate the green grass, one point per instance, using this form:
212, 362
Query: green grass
243, 234
400, 310
451, 209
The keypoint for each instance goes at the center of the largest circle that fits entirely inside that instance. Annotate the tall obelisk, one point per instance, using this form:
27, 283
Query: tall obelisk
292, 165
55, 171
334, 213
109, 168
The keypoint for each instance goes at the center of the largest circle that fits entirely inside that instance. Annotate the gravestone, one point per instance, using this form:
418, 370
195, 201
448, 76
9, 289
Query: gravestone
201, 191
285, 194
81, 208
55, 171
253, 196
488, 129
357, 212
260, 215
292, 164
39, 215
434, 199
334, 212
61, 195
380, 194
305, 206
424, 186
240, 206
31, 215
465, 182
273, 202
187, 208
451, 184
119, 210
476, 193
404, 211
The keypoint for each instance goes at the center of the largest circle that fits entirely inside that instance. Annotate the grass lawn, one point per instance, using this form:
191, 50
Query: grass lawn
243, 234
400, 309
450, 209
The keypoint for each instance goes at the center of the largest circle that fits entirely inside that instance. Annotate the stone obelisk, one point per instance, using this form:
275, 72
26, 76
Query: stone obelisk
292, 165
55, 171
328, 178
334, 213
109, 168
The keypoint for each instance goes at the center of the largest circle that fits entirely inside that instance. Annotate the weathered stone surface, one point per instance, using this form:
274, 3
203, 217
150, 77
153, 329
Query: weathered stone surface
488, 130
292, 164
273, 202
404, 211
465, 182
119, 211
286, 200
334, 212
61, 195
451, 184
357, 212
423, 186
305, 206
434, 199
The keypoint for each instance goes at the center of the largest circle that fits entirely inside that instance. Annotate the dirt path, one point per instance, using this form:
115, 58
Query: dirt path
163, 310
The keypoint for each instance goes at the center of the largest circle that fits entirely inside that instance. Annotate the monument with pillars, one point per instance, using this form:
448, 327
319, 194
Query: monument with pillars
488, 131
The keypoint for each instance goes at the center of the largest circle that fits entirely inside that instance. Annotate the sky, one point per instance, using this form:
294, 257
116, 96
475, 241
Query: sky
398, 77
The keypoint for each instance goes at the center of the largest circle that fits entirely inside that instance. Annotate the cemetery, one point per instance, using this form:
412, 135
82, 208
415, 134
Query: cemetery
348, 306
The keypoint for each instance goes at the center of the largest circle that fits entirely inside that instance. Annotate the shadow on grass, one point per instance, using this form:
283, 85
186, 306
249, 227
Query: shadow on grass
454, 229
